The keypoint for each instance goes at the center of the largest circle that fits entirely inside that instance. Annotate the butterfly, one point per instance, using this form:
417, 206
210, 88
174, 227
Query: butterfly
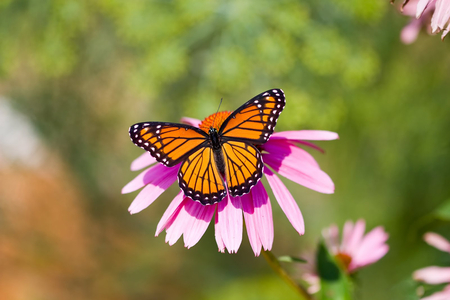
206, 158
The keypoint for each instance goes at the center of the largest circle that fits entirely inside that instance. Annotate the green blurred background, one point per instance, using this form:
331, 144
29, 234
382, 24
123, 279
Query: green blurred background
74, 75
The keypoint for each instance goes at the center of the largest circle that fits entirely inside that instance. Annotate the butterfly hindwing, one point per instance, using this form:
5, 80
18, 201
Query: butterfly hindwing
243, 166
255, 121
200, 179
169, 143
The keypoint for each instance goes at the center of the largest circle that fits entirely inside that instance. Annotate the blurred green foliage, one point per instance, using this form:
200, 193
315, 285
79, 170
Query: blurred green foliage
83, 71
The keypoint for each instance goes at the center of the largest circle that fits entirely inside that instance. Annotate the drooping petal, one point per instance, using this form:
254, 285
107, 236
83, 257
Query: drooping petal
371, 249
250, 223
331, 236
191, 121
445, 31
371, 241
433, 275
229, 224
410, 32
356, 236
346, 235
286, 201
422, 5
409, 8
200, 217
442, 295
148, 176
300, 172
283, 149
170, 213
258, 217
437, 241
309, 135
263, 210
441, 15
178, 223
362, 259
144, 160
152, 191
218, 235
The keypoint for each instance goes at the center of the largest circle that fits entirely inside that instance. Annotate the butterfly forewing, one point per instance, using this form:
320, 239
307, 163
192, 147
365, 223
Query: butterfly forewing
244, 166
169, 143
200, 179
255, 121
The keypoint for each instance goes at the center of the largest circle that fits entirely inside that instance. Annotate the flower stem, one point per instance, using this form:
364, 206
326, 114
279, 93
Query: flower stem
275, 264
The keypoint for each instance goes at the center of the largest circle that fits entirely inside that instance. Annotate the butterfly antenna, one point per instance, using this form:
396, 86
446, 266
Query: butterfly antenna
215, 116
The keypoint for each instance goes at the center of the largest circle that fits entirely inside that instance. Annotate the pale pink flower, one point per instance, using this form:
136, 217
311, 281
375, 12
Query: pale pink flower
356, 250
191, 219
432, 14
353, 252
434, 274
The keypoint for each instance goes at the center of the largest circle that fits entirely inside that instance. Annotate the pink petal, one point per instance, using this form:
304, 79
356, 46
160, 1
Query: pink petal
152, 191
191, 121
311, 135
441, 15
309, 144
229, 224
376, 238
366, 258
178, 223
442, 295
433, 275
170, 213
200, 217
144, 160
445, 32
263, 213
286, 201
410, 32
437, 241
218, 236
258, 218
282, 149
346, 235
355, 238
331, 236
148, 176
301, 172
410, 9
422, 5
250, 222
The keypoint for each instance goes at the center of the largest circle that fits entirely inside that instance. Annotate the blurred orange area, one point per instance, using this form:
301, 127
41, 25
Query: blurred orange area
46, 237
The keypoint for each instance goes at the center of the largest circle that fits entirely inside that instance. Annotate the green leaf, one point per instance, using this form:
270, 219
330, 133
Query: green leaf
292, 259
335, 284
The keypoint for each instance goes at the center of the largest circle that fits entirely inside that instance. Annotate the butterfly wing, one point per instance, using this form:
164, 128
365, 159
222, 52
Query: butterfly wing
255, 120
169, 143
250, 124
243, 166
200, 179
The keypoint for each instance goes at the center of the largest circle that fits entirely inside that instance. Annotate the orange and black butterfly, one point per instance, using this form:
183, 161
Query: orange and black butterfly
207, 156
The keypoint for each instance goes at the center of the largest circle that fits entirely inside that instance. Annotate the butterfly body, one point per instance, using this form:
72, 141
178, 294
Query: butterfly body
224, 151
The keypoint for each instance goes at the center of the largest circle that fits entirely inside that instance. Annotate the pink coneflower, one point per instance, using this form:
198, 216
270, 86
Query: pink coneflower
354, 252
191, 219
434, 274
433, 14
